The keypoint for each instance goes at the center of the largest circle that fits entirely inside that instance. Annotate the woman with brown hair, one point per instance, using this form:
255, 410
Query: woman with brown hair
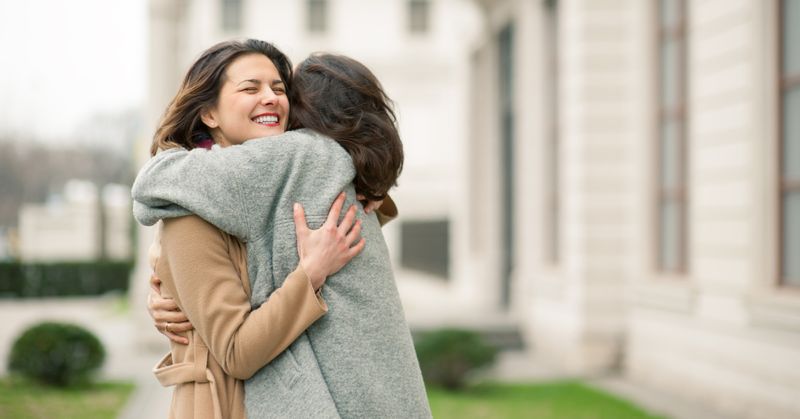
358, 360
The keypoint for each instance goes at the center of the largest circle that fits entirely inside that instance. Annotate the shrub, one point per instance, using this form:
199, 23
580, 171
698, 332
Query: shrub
447, 356
57, 354
51, 279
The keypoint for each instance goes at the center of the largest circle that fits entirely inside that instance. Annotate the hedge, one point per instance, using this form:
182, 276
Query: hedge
31, 280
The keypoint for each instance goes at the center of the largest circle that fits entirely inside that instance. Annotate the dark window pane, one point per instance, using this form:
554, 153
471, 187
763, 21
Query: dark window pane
425, 246
317, 15
670, 154
231, 15
418, 11
551, 104
670, 73
791, 36
670, 235
506, 48
791, 134
669, 12
791, 237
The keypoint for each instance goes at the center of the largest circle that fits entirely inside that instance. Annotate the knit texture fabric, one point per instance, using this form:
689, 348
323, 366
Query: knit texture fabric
358, 361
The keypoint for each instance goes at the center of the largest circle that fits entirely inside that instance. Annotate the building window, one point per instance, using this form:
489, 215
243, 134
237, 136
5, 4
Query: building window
789, 153
231, 15
425, 246
418, 16
505, 46
672, 150
552, 198
317, 16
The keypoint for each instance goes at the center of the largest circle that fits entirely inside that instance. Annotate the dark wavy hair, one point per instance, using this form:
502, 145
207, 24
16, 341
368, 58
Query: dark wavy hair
181, 125
339, 97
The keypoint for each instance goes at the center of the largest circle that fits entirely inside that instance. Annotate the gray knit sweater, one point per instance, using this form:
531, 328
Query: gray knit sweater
356, 362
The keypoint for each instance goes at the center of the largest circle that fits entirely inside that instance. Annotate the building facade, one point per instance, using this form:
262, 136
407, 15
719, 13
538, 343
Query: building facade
634, 191
81, 224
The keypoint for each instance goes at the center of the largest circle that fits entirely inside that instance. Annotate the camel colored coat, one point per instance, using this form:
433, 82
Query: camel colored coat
205, 271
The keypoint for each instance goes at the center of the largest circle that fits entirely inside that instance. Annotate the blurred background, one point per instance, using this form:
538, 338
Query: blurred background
600, 188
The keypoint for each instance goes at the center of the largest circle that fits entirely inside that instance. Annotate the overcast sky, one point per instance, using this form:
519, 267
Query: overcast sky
63, 61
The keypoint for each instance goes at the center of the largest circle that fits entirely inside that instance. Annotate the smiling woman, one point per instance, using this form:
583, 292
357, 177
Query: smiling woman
254, 80
252, 102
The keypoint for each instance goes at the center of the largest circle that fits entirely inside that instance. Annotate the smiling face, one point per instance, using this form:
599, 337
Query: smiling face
252, 102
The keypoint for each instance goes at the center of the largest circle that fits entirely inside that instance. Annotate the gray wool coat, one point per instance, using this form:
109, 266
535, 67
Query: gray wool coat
356, 362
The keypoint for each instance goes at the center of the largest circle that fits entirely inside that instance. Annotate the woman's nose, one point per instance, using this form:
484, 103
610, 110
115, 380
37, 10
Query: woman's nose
269, 97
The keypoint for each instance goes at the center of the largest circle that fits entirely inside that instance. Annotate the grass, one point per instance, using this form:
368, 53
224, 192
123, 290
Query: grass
568, 399
23, 399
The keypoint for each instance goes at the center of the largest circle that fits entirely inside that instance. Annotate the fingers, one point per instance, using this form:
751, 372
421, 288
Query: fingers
154, 281
158, 303
180, 327
171, 331
171, 317
300, 224
336, 210
347, 222
355, 250
354, 234
177, 338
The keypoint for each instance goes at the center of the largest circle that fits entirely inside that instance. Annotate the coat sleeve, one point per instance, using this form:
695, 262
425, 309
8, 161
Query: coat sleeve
197, 260
238, 188
178, 182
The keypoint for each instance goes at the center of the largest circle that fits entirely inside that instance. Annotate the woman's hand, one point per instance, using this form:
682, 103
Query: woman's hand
167, 317
368, 205
326, 250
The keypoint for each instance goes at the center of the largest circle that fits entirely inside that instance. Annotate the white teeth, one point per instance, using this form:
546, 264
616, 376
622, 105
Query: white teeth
266, 119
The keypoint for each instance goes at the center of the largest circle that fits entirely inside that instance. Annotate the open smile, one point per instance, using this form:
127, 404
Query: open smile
267, 119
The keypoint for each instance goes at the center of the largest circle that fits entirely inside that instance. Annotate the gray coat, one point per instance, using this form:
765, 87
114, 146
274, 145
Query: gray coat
356, 362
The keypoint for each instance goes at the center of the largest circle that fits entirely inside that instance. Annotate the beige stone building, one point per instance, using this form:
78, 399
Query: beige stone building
634, 191
617, 179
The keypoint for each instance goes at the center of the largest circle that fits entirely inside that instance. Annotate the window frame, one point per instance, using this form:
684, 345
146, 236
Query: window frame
231, 21
413, 27
553, 192
311, 23
785, 185
679, 194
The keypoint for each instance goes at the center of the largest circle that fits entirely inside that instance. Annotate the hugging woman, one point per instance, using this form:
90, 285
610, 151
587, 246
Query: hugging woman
357, 360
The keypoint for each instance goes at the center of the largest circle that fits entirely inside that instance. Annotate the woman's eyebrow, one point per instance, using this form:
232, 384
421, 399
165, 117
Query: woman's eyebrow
256, 81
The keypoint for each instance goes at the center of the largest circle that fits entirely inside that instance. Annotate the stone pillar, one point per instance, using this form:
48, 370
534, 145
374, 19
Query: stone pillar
165, 18
576, 311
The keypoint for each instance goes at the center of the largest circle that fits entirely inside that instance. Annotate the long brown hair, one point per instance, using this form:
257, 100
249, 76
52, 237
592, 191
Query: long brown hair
339, 97
181, 125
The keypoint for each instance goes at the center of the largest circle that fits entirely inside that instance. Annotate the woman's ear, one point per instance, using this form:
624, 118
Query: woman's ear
209, 117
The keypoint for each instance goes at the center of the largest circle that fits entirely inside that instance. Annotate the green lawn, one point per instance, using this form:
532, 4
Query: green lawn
562, 400
22, 399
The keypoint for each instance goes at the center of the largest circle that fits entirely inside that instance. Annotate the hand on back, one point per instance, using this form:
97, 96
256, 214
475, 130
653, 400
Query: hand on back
324, 251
